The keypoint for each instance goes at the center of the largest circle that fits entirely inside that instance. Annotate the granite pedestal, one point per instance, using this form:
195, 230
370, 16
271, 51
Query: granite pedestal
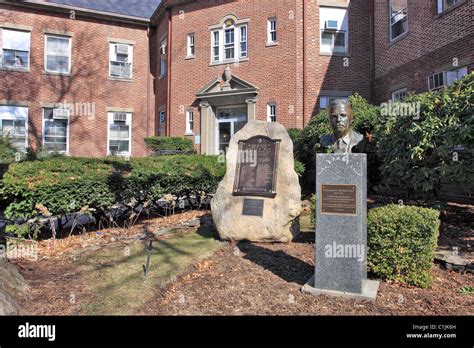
341, 228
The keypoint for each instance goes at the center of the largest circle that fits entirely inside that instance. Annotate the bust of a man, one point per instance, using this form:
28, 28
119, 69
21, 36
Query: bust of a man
343, 139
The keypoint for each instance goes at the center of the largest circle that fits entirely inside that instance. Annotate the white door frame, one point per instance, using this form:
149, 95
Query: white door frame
231, 120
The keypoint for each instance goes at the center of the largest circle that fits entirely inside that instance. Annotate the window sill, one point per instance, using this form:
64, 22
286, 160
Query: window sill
398, 38
120, 79
57, 73
230, 61
188, 134
125, 155
336, 54
15, 69
452, 8
190, 57
271, 44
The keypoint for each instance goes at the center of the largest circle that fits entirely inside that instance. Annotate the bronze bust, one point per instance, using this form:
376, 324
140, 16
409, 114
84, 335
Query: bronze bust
343, 139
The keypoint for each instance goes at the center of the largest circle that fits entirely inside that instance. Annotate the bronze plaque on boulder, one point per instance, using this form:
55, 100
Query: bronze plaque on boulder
253, 207
339, 199
257, 161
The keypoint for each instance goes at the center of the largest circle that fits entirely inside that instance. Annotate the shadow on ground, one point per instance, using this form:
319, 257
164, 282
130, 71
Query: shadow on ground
278, 262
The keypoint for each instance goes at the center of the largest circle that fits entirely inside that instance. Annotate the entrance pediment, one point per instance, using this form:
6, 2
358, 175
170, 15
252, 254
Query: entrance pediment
227, 85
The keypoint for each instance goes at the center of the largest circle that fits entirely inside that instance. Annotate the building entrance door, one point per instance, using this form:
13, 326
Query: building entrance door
230, 120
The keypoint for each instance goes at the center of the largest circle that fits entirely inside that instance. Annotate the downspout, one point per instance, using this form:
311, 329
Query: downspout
148, 86
168, 76
304, 63
372, 51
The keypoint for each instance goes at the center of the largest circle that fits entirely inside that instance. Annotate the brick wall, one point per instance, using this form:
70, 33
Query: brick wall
431, 43
329, 73
287, 74
88, 83
272, 69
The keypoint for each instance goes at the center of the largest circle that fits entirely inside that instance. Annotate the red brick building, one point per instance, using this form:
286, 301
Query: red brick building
426, 46
202, 69
74, 80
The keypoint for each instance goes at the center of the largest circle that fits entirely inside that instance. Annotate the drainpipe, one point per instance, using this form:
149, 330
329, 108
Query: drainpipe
168, 75
304, 62
148, 82
372, 51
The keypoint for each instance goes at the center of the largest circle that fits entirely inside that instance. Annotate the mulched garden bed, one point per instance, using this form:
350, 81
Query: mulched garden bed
259, 279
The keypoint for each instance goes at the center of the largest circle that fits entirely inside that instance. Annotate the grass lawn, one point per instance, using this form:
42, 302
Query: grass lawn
114, 276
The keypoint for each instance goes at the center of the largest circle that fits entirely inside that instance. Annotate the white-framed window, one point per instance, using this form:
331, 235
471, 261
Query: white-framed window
15, 49
272, 30
120, 60
444, 5
14, 124
229, 43
190, 46
57, 53
399, 94
334, 29
455, 75
216, 51
271, 112
446, 78
398, 18
163, 57
119, 134
325, 101
56, 130
437, 81
162, 124
243, 41
189, 121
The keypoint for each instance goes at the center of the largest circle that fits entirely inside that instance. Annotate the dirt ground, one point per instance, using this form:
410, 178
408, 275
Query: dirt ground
263, 279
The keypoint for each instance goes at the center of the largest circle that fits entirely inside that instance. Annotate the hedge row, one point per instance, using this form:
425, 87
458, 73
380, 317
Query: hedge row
169, 144
65, 185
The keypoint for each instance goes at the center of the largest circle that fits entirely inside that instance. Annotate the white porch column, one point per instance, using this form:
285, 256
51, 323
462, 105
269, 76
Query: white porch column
206, 131
251, 109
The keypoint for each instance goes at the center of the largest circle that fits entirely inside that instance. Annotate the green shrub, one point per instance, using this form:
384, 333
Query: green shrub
366, 115
309, 143
65, 185
8, 151
418, 154
401, 242
299, 168
312, 205
169, 144
295, 134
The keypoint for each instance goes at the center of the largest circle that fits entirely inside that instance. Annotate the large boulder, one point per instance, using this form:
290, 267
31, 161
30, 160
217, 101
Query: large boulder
13, 289
279, 222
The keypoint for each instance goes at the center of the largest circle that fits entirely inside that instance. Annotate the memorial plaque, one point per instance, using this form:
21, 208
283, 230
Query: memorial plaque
253, 207
256, 167
339, 199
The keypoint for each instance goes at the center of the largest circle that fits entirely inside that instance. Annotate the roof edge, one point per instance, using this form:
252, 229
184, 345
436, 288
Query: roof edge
59, 8
163, 6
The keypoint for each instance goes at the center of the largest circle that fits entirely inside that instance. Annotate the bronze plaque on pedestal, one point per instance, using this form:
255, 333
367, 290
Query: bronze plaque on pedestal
257, 161
338, 199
